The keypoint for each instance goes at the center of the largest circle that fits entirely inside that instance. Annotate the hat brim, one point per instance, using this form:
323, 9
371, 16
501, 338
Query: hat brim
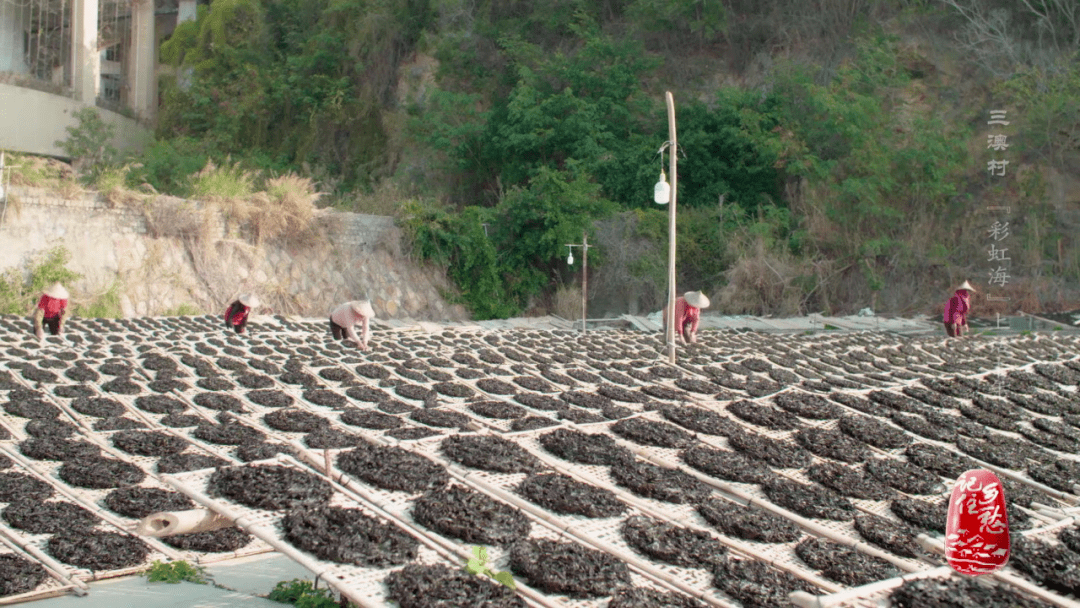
251, 301
966, 286
696, 299
364, 308
57, 291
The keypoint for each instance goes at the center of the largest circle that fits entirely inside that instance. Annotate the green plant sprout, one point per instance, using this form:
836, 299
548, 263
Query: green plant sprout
175, 572
478, 565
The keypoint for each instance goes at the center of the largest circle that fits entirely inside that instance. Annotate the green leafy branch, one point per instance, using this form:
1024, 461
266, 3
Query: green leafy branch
478, 564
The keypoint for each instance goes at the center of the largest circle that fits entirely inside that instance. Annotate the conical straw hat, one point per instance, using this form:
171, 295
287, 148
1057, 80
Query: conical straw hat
56, 290
363, 307
966, 286
250, 300
696, 299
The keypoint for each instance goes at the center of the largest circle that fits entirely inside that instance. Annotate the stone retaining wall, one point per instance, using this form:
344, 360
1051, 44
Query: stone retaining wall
111, 246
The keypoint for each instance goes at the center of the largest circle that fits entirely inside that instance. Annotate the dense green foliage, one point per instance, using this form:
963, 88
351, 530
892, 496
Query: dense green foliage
284, 83
834, 176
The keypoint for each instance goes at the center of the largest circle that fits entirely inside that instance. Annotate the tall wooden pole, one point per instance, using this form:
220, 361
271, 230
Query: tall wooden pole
673, 151
584, 276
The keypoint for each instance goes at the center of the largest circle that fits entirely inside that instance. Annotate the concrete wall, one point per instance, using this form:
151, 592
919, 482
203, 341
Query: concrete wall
112, 246
31, 121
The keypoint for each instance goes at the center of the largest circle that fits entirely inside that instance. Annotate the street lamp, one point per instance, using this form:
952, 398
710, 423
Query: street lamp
584, 271
663, 194
662, 191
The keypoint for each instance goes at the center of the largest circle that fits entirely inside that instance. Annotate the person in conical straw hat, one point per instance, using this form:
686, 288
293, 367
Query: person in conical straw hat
238, 313
687, 315
956, 311
344, 318
51, 311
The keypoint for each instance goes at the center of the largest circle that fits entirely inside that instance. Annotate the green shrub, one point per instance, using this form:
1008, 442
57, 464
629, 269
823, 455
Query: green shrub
175, 572
302, 594
222, 183
20, 288
168, 164
478, 565
104, 306
88, 143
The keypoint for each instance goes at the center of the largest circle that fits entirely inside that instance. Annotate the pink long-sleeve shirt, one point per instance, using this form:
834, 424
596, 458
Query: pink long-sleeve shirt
684, 314
52, 307
347, 318
957, 308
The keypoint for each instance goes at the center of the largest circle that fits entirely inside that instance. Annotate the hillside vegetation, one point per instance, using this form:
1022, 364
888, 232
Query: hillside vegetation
832, 155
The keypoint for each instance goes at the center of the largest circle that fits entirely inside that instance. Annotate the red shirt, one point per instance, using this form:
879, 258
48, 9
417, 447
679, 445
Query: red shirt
239, 316
684, 313
53, 307
957, 308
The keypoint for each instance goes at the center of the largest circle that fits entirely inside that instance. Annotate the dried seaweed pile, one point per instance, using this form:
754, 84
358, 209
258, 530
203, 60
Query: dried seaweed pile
392, 468
417, 586
19, 575
672, 544
269, 487
566, 496
568, 568
348, 536
460, 513
97, 550
584, 448
489, 453
136, 502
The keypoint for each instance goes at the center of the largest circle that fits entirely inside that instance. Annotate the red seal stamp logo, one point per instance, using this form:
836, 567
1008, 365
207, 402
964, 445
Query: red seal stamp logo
977, 532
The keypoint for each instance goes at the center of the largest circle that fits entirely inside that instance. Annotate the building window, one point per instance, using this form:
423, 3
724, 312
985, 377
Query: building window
112, 53
110, 87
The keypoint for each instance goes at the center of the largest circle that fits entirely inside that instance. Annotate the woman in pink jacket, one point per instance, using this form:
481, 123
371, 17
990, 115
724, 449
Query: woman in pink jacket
956, 311
238, 313
51, 311
687, 315
344, 318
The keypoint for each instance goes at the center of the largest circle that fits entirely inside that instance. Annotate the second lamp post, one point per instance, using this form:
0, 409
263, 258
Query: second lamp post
584, 272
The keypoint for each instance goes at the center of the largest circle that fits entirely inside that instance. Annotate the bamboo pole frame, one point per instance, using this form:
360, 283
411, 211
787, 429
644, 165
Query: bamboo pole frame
803, 599
673, 159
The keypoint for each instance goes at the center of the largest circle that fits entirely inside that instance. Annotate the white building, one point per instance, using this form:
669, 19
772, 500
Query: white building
58, 56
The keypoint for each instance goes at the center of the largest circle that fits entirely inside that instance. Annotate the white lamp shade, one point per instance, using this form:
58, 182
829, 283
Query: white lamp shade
662, 191
570, 258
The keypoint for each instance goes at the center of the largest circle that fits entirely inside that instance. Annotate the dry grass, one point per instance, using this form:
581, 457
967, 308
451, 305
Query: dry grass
14, 205
112, 184
171, 217
69, 189
285, 210
37, 172
277, 299
761, 282
386, 199
567, 302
